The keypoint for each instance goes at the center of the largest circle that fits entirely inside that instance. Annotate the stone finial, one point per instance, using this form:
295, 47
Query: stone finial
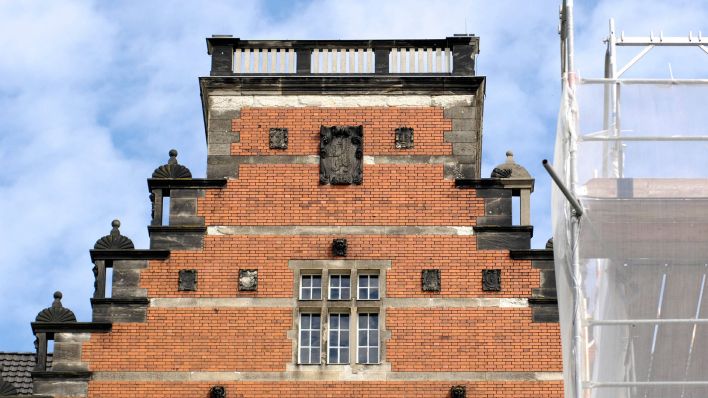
172, 169
114, 240
56, 313
510, 169
549, 244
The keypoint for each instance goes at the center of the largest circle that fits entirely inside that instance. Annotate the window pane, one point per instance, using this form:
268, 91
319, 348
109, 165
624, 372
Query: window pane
316, 281
363, 281
344, 321
344, 295
304, 321
315, 339
334, 281
306, 281
315, 355
344, 282
345, 338
363, 321
316, 293
373, 355
334, 321
374, 293
304, 337
306, 294
362, 355
334, 339
373, 321
333, 355
315, 324
362, 338
304, 358
362, 294
373, 337
344, 355
373, 281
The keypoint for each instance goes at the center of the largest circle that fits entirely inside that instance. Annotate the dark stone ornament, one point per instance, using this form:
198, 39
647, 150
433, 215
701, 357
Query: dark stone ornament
339, 247
187, 280
501, 173
217, 392
341, 155
114, 240
431, 280
458, 392
172, 169
278, 138
248, 280
549, 244
56, 313
491, 280
6, 389
404, 137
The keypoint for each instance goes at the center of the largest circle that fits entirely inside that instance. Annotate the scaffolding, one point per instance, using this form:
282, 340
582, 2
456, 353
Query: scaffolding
630, 215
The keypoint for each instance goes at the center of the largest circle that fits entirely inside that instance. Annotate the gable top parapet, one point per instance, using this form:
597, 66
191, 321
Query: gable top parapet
453, 55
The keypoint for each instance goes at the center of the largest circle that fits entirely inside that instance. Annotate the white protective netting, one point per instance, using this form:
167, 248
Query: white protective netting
636, 287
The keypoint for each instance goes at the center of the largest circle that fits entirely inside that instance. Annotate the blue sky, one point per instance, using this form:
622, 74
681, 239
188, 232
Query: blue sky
93, 94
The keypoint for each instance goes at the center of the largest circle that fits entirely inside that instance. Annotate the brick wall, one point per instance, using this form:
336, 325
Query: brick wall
432, 339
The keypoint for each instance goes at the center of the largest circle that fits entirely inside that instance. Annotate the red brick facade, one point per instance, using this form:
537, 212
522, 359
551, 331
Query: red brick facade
438, 339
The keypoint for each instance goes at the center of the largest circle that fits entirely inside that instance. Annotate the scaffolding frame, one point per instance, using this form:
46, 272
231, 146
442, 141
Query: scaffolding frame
613, 158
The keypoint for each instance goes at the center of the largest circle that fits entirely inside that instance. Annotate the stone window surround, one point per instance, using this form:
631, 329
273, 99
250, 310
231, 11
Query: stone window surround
351, 306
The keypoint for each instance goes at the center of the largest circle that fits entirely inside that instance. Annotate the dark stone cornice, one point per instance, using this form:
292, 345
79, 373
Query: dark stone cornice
503, 228
142, 254
277, 84
62, 375
192, 183
532, 254
121, 301
71, 327
176, 229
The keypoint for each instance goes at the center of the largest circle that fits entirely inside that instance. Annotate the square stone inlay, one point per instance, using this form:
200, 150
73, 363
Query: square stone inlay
431, 280
404, 137
187, 280
491, 280
278, 138
248, 279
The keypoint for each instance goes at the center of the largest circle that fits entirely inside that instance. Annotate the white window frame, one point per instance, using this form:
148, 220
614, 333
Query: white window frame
310, 288
367, 330
368, 287
339, 332
309, 347
339, 288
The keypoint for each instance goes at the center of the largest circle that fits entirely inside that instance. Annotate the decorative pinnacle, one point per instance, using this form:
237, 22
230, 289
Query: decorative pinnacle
510, 157
57, 299
115, 224
173, 157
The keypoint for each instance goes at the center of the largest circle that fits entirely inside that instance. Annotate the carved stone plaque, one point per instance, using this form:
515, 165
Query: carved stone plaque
491, 280
431, 280
278, 138
248, 280
217, 392
339, 247
341, 155
458, 392
404, 137
187, 280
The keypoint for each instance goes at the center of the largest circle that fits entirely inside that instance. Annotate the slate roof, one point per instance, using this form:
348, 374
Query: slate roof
16, 368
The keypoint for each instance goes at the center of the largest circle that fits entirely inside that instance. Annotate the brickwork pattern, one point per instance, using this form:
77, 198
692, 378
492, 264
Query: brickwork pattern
391, 194
379, 123
471, 339
320, 389
460, 264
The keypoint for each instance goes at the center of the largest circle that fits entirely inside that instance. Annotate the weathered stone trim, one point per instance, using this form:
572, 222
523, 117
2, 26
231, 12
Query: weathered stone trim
236, 302
315, 159
250, 302
222, 100
337, 373
338, 230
